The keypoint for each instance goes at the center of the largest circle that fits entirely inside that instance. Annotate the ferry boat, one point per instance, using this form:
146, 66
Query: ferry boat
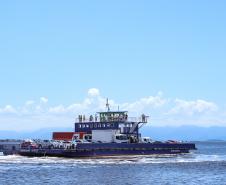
108, 133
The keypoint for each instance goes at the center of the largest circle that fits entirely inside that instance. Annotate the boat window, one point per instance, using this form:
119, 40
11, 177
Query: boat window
121, 137
88, 137
95, 125
80, 126
87, 126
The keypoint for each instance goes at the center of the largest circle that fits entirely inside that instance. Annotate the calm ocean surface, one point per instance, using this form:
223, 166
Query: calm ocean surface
207, 166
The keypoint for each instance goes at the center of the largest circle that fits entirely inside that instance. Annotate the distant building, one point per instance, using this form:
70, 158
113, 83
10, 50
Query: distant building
10, 146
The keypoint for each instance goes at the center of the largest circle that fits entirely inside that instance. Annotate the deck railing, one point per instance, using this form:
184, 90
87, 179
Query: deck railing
85, 119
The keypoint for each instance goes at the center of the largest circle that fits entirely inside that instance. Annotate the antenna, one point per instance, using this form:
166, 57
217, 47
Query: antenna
107, 105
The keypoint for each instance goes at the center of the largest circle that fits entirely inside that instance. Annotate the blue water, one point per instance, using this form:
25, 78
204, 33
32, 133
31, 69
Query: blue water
207, 166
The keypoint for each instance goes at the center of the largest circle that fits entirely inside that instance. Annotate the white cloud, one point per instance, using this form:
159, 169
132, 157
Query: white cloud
43, 100
192, 107
57, 109
150, 102
163, 111
93, 92
29, 102
8, 109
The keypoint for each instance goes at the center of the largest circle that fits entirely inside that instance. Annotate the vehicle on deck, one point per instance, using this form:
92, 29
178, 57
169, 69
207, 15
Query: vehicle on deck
44, 143
146, 140
121, 138
29, 144
172, 141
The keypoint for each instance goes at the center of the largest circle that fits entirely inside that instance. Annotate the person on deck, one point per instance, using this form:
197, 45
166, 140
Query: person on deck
143, 117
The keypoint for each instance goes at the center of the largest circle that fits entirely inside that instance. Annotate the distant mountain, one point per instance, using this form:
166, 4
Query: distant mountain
185, 133
45, 133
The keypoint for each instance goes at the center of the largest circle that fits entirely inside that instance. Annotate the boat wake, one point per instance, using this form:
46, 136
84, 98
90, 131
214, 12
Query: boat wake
186, 158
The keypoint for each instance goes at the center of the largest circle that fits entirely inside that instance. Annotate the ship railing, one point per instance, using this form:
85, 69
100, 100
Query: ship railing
87, 119
141, 119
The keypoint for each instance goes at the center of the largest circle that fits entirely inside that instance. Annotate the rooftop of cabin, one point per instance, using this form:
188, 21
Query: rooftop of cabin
116, 112
113, 113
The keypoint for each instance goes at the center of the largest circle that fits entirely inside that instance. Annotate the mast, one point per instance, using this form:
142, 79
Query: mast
107, 105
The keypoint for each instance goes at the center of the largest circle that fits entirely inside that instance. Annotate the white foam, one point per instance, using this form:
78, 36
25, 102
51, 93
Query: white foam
187, 158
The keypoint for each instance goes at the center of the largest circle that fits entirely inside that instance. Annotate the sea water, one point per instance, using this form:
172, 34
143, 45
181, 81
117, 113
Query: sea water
207, 165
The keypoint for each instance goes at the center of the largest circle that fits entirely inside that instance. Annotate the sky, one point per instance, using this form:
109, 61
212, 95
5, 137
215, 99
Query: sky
164, 58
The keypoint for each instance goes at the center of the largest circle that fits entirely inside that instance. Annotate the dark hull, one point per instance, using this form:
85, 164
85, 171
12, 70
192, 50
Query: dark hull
112, 149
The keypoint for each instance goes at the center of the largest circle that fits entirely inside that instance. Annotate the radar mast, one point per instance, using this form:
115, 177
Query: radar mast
107, 106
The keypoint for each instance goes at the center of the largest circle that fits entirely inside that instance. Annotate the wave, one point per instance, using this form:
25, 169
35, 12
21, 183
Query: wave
186, 158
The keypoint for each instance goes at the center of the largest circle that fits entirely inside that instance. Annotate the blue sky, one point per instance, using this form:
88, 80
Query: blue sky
127, 50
